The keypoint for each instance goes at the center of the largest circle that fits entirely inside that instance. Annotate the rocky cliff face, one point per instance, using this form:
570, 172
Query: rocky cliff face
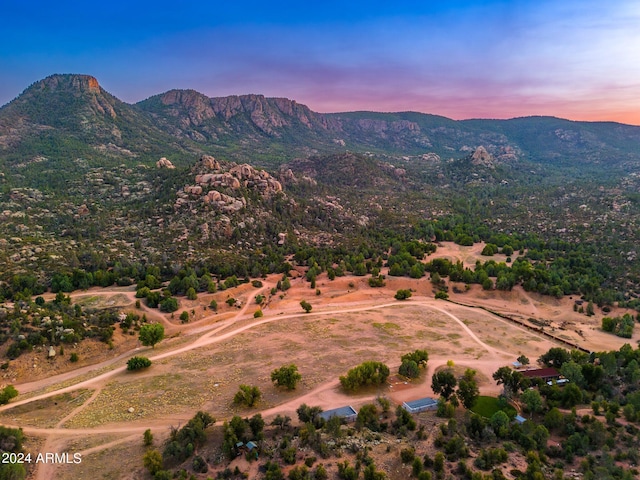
268, 115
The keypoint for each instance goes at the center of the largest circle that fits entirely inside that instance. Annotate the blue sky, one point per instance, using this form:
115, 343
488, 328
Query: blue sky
461, 59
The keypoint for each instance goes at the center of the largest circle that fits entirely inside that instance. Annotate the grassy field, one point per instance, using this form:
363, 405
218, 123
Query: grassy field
487, 406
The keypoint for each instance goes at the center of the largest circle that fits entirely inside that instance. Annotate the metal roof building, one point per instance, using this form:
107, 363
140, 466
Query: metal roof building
420, 405
347, 413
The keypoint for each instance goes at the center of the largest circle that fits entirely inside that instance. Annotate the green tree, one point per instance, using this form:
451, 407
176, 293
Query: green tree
281, 422
169, 304
571, 395
191, 294
306, 306
151, 334
555, 357
286, 376
444, 383
513, 381
421, 357
12, 471
368, 417
468, 391
590, 311
499, 422
307, 414
573, 372
320, 473
409, 369
532, 400
367, 373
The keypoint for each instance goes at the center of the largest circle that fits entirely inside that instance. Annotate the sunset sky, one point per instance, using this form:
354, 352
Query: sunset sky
461, 59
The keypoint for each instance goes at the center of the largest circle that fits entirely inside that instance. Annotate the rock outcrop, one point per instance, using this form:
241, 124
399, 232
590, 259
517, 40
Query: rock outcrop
256, 179
209, 163
218, 180
211, 181
482, 157
164, 163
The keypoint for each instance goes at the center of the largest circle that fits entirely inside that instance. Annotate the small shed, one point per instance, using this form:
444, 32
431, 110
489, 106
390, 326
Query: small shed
251, 445
520, 419
420, 405
348, 414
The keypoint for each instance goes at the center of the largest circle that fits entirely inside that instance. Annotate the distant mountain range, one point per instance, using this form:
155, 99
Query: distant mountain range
73, 114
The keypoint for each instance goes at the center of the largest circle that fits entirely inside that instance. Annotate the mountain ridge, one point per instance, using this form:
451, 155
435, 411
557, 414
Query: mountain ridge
269, 131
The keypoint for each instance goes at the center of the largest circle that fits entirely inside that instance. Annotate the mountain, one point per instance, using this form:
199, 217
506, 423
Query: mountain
127, 182
73, 114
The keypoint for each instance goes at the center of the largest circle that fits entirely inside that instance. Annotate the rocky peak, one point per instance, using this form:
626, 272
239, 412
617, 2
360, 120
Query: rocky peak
69, 82
65, 98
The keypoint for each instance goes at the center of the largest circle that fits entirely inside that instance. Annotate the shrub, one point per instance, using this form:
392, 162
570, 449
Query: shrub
137, 363
402, 294
200, 465
147, 437
7, 394
168, 305
74, 357
247, 395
